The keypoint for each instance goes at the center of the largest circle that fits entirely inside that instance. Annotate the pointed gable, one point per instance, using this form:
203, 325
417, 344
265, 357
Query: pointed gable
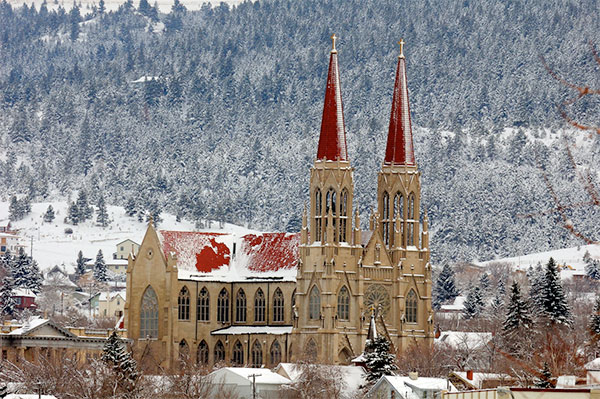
332, 141
400, 150
271, 251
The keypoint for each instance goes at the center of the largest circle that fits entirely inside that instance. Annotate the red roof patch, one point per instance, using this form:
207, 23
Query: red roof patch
271, 251
201, 249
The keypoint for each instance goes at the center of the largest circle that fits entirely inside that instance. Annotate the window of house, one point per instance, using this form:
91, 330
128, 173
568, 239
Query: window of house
223, 306
314, 303
275, 353
183, 302
238, 354
343, 304
149, 314
240, 306
259, 306
257, 354
203, 305
278, 306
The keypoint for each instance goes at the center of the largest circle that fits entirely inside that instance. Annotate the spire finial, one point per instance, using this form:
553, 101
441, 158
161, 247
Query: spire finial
401, 43
333, 39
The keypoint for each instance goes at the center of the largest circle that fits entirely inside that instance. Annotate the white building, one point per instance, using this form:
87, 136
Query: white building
409, 387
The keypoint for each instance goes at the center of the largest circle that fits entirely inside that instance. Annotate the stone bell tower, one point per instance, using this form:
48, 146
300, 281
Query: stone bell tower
327, 326
399, 215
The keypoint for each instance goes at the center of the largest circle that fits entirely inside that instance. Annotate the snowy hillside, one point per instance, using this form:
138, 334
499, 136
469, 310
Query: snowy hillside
112, 5
571, 257
52, 246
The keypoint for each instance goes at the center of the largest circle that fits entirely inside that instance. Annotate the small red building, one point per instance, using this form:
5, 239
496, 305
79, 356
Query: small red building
25, 299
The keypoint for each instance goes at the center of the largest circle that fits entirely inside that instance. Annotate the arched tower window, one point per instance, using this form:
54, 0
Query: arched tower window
278, 306
343, 304
411, 307
318, 215
259, 306
223, 306
219, 352
238, 354
183, 304
293, 304
203, 305
398, 215
202, 357
184, 351
314, 304
240, 306
311, 349
385, 217
149, 314
257, 354
411, 220
330, 205
275, 353
343, 215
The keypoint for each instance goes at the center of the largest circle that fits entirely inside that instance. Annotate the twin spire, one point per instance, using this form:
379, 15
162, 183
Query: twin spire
332, 141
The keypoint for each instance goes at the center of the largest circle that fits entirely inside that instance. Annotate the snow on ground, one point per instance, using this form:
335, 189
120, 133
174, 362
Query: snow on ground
51, 246
571, 257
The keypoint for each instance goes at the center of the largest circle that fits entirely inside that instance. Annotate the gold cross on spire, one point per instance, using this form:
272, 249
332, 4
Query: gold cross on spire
401, 43
333, 39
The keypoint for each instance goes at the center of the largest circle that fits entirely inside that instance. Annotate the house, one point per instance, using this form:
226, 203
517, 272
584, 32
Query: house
409, 387
354, 377
108, 304
124, 248
25, 298
471, 380
6, 227
9, 242
452, 310
240, 380
473, 348
42, 337
525, 393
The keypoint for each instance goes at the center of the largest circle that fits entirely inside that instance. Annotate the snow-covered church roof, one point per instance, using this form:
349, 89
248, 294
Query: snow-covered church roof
231, 257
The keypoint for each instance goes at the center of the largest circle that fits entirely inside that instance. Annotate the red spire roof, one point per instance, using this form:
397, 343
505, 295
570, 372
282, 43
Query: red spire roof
400, 150
332, 142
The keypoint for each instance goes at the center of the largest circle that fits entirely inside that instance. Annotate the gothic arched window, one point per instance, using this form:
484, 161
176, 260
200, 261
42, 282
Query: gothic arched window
257, 354
330, 205
278, 307
238, 354
240, 306
149, 314
311, 349
183, 304
223, 306
398, 216
343, 304
219, 352
314, 304
203, 306
343, 215
184, 351
411, 307
318, 215
385, 217
259, 306
275, 353
202, 357
410, 234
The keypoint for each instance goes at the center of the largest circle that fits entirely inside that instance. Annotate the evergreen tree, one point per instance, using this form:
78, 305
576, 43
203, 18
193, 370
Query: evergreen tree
7, 301
14, 209
73, 213
34, 283
543, 381
102, 218
594, 326
83, 206
518, 316
498, 303
20, 269
74, 20
80, 269
115, 356
536, 286
554, 301
592, 266
131, 207
484, 282
445, 287
379, 360
473, 305
100, 267
101, 7
49, 215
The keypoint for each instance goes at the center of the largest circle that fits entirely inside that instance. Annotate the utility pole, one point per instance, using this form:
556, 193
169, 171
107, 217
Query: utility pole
254, 384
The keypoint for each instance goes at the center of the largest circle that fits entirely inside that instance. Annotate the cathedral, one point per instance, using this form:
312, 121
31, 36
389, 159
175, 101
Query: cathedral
261, 299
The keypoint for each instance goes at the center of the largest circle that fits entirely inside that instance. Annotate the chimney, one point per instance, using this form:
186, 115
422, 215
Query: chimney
413, 375
470, 375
